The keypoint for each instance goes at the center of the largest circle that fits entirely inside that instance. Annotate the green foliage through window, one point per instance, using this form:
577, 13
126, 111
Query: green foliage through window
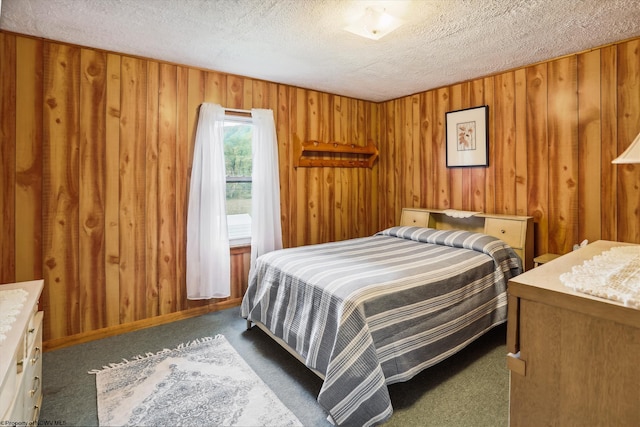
237, 150
238, 163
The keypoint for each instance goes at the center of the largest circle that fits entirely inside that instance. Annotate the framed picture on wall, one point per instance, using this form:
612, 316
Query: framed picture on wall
467, 137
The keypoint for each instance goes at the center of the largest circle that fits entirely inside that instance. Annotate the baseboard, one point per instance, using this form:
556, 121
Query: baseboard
57, 343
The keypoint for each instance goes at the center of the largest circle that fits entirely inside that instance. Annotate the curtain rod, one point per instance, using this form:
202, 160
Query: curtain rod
237, 110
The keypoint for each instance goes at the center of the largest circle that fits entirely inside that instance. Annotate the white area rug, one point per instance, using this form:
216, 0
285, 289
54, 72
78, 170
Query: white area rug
202, 383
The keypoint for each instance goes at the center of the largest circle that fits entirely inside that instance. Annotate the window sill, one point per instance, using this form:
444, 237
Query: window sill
239, 243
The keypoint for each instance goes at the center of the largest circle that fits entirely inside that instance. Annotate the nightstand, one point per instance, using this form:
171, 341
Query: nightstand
539, 260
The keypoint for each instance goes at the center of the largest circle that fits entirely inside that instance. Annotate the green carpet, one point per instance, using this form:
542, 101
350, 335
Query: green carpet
470, 388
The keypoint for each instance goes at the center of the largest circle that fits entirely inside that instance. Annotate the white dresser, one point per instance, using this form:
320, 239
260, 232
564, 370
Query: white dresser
21, 357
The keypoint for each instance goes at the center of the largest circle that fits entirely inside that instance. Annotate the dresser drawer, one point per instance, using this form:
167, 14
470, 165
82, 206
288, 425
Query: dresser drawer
509, 231
34, 323
33, 372
414, 218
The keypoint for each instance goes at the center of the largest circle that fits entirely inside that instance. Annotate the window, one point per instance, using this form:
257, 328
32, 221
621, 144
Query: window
238, 164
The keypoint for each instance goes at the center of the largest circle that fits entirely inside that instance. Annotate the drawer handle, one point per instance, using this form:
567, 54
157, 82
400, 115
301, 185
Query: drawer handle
36, 386
516, 364
32, 330
502, 231
36, 356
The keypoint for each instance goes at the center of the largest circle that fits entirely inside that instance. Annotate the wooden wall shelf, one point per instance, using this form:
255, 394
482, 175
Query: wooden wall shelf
334, 154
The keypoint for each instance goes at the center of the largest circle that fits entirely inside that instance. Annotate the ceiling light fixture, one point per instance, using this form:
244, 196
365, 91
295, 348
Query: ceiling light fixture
374, 24
631, 154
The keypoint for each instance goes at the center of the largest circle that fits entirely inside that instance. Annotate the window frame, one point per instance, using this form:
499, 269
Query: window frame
244, 120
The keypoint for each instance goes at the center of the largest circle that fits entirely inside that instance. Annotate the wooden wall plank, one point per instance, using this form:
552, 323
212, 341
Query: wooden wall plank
181, 180
167, 188
538, 155
426, 135
403, 151
381, 186
372, 127
505, 143
399, 151
112, 191
589, 153
61, 170
521, 171
609, 142
433, 157
490, 171
288, 178
7, 157
312, 186
256, 95
361, 219
92, 146
272, 101
416, 153
247, 94
338, 126
299, 117
28, 193
132, 189
396, 152
319, 180
240, 263
152, 193
328, 175
563, 154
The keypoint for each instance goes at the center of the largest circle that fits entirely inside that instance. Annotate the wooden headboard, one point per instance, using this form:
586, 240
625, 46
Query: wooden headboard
516, 231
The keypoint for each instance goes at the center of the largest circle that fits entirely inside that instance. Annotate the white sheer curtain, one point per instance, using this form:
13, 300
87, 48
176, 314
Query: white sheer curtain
208, 257
266, 230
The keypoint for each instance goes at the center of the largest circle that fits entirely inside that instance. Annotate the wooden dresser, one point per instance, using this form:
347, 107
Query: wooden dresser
574, 358
516, 231
21, 360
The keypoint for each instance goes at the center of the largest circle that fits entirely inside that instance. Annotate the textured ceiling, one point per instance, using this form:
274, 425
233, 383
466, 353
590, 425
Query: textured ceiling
302, 42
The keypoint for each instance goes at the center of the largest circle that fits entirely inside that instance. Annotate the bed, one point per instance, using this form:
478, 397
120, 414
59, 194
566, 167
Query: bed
368, 312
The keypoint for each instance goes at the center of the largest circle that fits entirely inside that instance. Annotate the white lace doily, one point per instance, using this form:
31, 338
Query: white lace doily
11, 302
614, 275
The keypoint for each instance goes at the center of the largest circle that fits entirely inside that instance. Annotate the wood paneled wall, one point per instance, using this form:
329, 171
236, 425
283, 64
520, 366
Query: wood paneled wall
554, 128
96, 149
95, 157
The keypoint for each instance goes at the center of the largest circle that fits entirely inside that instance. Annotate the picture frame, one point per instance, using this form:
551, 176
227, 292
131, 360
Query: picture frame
467, 137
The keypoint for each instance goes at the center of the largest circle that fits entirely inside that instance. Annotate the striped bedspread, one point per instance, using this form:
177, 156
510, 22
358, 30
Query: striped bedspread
373, 311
